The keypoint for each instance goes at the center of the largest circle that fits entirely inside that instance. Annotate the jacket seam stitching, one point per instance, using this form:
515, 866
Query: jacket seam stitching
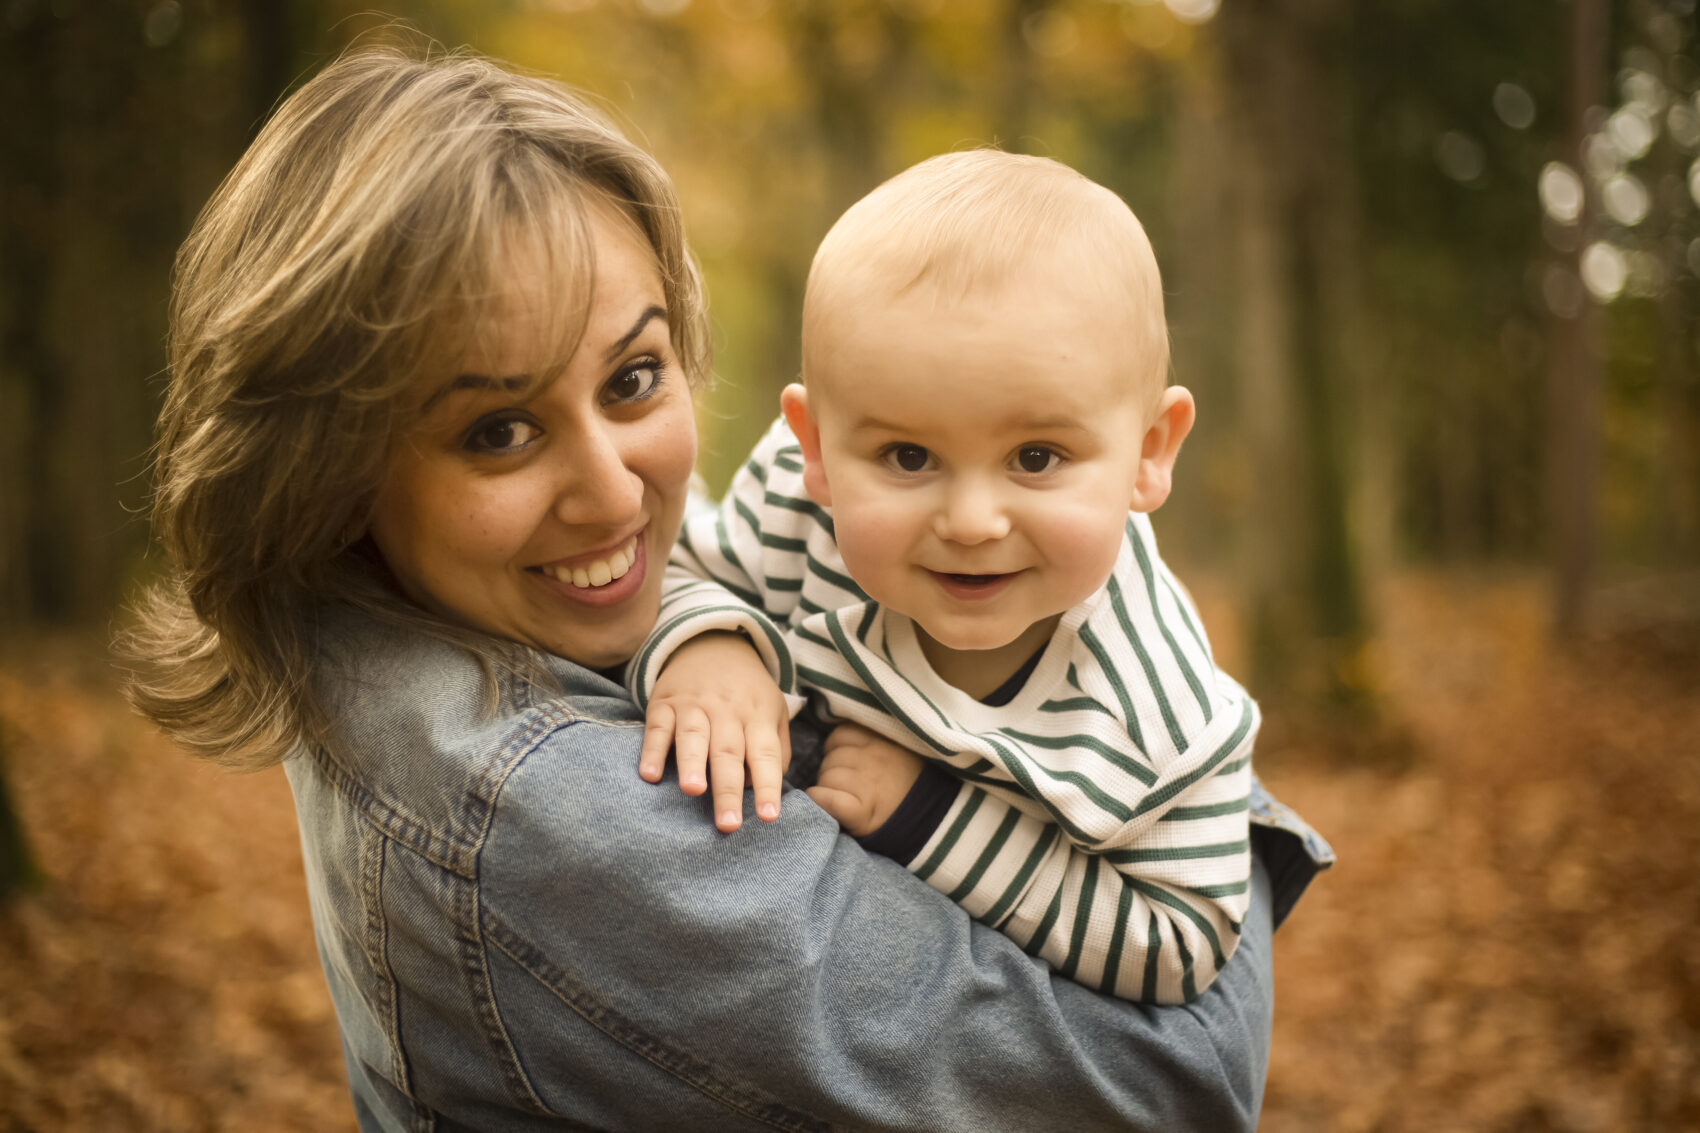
475, 941
754, 1104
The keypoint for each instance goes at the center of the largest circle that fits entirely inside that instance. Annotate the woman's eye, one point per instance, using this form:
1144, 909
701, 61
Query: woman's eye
1036, 458
907, 458
634, 383
504, 435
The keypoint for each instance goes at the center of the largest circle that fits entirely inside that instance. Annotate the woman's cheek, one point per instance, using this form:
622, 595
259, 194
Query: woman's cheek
672, 453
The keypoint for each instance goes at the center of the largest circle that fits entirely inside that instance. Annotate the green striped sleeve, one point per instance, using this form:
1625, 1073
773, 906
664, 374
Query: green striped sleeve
952, 836
1149, 574
1119, 604
1012, 892
994, 847
1118, 938
1096, 647
1082, 919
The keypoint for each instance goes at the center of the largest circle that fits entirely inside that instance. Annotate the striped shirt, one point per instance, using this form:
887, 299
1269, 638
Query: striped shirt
1102, 821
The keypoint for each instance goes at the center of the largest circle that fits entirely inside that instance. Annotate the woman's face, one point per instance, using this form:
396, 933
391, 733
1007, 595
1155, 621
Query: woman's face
547, 518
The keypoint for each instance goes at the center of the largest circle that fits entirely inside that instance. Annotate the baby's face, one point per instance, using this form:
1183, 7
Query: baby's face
981, 455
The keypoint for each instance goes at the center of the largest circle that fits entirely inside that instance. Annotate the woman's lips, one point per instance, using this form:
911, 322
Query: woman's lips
603, 581
973, 587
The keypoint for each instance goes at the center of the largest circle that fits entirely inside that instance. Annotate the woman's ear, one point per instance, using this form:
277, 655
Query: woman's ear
794, 403
1160, 446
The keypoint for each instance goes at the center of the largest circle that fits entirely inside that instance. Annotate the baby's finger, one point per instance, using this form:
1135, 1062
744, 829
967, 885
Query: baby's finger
726, 770
657, 738
690, 748
767, 773
843, 806
846, 735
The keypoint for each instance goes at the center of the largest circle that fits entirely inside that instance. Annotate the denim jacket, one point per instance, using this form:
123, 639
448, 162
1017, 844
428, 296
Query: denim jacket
519, 933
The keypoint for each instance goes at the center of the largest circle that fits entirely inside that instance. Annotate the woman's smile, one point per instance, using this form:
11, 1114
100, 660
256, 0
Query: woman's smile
601, 580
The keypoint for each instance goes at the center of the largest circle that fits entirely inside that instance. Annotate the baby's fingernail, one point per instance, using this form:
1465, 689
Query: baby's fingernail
728, 820
768, 811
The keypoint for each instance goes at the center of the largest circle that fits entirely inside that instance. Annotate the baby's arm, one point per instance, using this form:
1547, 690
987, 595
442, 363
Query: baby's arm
1152, 919
707, 693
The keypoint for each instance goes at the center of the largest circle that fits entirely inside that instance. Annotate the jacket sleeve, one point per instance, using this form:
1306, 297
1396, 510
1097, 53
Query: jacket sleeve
784, 978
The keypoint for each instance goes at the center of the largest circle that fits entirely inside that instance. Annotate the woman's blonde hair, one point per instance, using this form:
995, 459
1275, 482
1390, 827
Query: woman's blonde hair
346, 261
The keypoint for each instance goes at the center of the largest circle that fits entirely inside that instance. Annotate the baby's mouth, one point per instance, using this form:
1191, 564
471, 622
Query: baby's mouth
973, 580
588, 576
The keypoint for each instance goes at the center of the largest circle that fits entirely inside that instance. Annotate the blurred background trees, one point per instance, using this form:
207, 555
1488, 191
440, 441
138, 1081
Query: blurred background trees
1431, 268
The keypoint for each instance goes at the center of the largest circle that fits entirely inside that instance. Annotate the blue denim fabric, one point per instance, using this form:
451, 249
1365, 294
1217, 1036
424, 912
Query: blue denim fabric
519, 933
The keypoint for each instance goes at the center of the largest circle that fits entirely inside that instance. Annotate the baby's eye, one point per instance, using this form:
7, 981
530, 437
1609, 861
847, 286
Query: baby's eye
1037, 458
908, 458
634, 383
503, 435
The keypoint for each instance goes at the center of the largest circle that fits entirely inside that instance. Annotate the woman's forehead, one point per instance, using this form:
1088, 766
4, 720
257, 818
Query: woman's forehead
528, 315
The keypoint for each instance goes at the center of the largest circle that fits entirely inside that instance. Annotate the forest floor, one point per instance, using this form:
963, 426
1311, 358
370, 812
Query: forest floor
1507, 942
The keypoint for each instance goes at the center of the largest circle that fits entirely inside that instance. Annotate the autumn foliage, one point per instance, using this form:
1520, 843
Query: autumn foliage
1507, 942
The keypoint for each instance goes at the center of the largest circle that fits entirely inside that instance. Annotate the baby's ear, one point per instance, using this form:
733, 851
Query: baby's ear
1160, 446
794, 403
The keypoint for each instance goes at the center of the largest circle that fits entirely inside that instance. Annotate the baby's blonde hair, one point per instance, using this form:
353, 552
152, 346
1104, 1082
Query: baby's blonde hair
967, 222
340, 271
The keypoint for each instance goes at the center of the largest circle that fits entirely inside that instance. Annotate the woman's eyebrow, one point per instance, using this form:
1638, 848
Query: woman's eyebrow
651, 312
474, 381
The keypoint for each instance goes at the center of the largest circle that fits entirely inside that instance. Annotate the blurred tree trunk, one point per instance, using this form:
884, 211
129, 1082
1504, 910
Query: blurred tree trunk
98, 181
855, 59
1297, 346
1215, 470
1677, 513
17, 867
1573, 450
31, 379
1013, 99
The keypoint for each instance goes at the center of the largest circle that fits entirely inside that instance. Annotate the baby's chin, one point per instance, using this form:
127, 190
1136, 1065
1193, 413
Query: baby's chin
970, 639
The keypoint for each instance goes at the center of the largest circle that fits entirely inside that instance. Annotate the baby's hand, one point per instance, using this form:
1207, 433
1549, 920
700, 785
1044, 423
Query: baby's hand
715, 703
862, 778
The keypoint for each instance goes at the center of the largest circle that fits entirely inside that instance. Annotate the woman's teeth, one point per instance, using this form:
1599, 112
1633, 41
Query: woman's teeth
599, 573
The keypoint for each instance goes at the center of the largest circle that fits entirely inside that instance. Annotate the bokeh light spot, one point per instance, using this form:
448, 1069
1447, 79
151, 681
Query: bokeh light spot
1459, 156
164, 20
1514, 105
1626, 200
1193, 11
1684, 125
1604, 271
1561, 192
1631, 131
1601, 155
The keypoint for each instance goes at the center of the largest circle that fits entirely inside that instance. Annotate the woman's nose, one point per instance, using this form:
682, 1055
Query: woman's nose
598, 485
971, 513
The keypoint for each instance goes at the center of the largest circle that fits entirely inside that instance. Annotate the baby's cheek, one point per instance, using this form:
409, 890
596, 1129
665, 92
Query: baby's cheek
867, 552
1085, 543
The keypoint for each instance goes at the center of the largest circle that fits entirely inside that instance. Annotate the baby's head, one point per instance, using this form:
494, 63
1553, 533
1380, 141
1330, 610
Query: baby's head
984, 367
965, 228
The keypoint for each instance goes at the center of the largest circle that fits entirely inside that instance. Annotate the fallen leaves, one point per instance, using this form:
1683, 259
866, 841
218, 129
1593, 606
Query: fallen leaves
1507, 943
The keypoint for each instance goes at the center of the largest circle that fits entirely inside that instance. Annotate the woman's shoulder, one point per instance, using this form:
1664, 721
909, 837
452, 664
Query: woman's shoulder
421, 728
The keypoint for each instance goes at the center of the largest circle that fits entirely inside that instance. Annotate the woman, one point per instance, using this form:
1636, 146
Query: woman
426, 446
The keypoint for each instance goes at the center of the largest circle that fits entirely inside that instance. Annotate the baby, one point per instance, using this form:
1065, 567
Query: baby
950, 523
